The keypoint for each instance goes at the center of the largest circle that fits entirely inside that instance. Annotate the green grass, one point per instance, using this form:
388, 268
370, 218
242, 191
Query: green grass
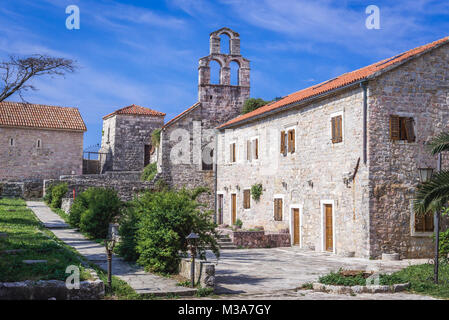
421, 279
26, 233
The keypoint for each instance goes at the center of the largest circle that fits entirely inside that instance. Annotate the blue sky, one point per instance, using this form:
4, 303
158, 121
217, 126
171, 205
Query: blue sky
146, 52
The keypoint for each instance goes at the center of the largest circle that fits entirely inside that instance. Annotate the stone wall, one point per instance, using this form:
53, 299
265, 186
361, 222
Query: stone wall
307, 179
60, 153
26, 190
125, 137
418, 89
260, 239
204, 272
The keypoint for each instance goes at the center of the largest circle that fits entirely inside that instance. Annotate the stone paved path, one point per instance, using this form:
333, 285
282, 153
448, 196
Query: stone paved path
142, 282
263, 271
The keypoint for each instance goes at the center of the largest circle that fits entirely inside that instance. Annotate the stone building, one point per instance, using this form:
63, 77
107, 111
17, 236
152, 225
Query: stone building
187, 141
338, 162
39, 142
126, 138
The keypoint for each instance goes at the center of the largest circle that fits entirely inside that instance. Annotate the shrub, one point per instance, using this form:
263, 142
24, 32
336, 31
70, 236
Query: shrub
126, 248
252, 104
165, 220
55, 193
78, 207
48, 194
256, 191
444, 243
156, 137
238, 223
149, 172
103, 206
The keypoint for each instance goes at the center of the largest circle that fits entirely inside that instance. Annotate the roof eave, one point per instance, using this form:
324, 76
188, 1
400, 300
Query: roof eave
292, 105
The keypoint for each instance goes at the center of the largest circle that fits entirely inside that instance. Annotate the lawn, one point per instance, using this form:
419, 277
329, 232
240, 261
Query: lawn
34, 242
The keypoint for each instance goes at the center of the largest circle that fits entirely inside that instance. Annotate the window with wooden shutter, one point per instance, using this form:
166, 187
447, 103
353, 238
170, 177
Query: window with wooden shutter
248, 150
424, 223
402, 128
256, 148
246, 199
232, 152
291, 141
282, 142
337, 129
278, 209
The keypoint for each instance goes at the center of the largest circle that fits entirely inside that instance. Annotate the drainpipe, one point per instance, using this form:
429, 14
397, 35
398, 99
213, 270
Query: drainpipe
364, 86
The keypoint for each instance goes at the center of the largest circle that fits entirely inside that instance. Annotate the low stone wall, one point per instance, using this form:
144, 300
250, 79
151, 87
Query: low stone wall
51, 289
204, 272
125, 189
360, 289
260, 239
24, 189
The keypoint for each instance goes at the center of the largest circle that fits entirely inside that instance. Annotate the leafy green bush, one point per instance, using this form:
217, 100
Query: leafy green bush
126, 248
165, 220
256, 191
48, 194
238, 223
103, 206
149, 172
252, 104
78, 207
444, 243
338, 279
57, 193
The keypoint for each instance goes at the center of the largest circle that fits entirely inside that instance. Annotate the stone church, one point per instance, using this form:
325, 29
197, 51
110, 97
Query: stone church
188, 140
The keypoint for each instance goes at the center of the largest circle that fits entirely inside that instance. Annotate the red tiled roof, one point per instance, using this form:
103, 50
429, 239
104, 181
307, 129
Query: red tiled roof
339, 82
136, 110
181, 115
19, 114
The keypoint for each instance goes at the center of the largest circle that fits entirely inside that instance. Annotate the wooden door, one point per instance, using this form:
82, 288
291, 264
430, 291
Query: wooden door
296, 227
329, 245
233, 207
220, 209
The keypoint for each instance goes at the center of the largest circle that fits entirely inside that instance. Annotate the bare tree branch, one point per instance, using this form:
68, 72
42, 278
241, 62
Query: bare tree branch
17, 72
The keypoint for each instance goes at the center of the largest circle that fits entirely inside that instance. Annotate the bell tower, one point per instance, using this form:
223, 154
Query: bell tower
223, 101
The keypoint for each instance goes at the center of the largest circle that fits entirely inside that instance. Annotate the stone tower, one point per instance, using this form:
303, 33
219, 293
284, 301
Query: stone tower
223, 100
217, 103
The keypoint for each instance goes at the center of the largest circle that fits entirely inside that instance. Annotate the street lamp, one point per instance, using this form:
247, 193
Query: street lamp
191, 240
109, 244
425, 174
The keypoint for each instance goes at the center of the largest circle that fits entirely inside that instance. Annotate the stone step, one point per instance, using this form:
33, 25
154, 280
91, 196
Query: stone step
224, 240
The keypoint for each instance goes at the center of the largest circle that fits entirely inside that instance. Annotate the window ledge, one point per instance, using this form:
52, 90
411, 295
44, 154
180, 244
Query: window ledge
422, 234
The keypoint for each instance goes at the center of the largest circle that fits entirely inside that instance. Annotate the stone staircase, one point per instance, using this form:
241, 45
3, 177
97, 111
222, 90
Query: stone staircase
225, 242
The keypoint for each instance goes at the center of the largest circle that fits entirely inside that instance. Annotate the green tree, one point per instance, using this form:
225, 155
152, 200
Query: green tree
252, 104
164, 220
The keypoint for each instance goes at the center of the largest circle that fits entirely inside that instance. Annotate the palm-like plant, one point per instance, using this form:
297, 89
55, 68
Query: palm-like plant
433, 195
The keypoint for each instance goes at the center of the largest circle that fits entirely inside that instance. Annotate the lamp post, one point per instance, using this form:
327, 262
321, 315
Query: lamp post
191, 240
109, 244
425, 174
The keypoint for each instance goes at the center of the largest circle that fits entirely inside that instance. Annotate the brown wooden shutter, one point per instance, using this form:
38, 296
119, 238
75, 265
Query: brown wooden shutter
293, 142
334, 130
283, 142
256, 148
410, 131
246, 199
233, 152
419, 224
230, 152
248, 150
428, 222
395, 128
278, 209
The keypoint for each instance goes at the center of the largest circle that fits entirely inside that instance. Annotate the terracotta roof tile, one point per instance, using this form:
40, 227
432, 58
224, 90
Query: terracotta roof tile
338, 82
19, 114
136, 110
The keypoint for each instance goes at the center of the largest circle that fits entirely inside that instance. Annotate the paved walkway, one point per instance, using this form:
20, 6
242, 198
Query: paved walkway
263, 271
142, 282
